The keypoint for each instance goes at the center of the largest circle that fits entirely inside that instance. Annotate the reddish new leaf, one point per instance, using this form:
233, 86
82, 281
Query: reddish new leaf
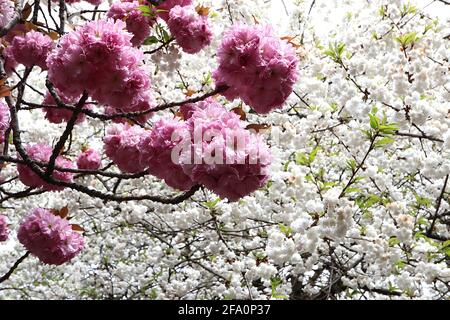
77, 227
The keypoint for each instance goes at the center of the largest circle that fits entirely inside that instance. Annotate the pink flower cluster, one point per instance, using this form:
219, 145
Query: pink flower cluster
138, 24
49, 237
59, 115
190, 29
121, 145
167, 5
89, 160
99, 57
18, 30
4, 120
32, 49
3, 228
42, 153
211, 147
258, 67
6, 12
230, 160
10, 62
156, 153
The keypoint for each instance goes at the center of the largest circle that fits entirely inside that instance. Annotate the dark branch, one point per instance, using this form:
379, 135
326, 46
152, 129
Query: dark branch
14, 267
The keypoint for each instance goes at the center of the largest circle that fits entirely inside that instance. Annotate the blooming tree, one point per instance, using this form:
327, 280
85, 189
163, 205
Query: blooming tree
199, 149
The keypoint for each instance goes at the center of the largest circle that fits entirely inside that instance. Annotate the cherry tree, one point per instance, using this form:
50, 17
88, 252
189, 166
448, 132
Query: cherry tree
201, 149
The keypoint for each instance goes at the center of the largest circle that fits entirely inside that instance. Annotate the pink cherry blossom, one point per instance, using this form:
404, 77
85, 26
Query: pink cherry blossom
32, 49
42, 153
10, 62
258, 67
122, 146
165, 8
191, 30
136, 23
229, 160
156, 153
99, 58
49, 237
89, 159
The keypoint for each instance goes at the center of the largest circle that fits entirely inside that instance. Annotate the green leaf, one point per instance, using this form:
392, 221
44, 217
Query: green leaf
286, 166
334, 106
211, 204
301, 159
313, 154
407, 39
431, 25
274, 283
447, 251
335, 51
166, 36
363, 230
368, 134
408, 9
340, 49
374, 121
420, 234
153, 294
445, 248
384, 141
388, 129
446, 244
393, 241
366, 202
329, 185
309, 178
351, 164
374, 110
352, 190
286, 230
392, 288
400, 264
207, 79
151, 40
368, 215
145, 9
422, 201
422, 221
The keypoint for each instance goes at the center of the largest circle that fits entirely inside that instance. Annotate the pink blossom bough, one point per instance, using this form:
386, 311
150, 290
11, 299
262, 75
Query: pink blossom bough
49, 237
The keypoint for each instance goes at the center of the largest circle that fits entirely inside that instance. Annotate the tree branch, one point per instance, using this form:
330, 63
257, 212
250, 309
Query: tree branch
14, 267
